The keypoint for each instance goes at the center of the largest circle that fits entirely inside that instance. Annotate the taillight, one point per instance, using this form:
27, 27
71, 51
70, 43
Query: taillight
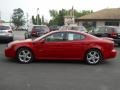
33, 31
10, 31
113, 34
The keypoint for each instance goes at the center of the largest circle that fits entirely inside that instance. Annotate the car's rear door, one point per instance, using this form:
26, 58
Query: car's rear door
75, 45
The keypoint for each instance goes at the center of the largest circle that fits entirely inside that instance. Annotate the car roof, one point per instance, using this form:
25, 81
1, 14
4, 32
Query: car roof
39, 25
69, 31
109, 26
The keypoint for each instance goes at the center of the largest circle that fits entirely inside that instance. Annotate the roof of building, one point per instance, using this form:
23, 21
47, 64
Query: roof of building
105, 14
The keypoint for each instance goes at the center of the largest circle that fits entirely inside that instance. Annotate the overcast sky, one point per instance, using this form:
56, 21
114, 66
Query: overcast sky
30, 6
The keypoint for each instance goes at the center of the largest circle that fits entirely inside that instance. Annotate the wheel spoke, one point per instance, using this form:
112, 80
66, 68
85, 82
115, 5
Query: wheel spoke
97, 57
90, 54
21, 56
23, 52
93, 60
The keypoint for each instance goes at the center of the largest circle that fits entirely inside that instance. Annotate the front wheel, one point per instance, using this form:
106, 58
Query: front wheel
93, 57
24, 55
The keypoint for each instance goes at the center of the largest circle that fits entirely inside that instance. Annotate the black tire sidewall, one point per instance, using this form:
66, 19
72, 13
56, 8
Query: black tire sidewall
100, 60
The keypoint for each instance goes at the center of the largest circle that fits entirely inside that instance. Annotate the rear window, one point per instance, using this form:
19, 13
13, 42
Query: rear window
41, 28
4, 27
78, 28
64, 28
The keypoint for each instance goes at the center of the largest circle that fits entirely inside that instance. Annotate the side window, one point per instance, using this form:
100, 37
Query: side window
75, 36
55, 37
110, 30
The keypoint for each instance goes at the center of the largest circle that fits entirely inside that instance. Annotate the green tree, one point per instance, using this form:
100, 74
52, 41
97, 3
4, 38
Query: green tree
42, 21
53, 13
18, 18
33, 20
58, 16
36, 20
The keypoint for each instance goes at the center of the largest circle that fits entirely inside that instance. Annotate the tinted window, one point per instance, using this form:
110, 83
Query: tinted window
56, 37
78, 28
4, 27
75, 36
100, 30
40, 28
64, 28
110, 29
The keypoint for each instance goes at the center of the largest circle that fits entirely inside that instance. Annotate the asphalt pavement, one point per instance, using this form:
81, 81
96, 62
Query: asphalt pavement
52, 75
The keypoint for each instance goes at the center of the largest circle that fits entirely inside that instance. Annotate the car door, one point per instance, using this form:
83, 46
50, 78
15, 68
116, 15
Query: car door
52, 48
75, 45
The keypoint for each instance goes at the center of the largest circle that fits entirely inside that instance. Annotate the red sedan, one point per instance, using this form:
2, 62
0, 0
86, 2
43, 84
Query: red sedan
58, 45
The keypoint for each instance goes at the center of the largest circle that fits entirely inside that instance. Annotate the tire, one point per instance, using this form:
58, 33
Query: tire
24, 55
93, 57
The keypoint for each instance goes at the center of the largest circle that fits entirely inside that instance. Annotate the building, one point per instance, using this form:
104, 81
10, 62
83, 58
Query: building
105, 17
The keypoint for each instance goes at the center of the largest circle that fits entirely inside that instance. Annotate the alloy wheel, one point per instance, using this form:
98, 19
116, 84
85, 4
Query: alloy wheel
93, 57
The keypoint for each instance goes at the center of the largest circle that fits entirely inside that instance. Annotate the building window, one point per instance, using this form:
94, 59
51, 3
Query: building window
111, 23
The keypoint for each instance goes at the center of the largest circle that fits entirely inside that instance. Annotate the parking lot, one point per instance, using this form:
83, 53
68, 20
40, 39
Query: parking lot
52, 75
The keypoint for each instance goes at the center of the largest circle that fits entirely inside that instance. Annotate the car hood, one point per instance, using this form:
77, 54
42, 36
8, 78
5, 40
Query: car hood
20, 42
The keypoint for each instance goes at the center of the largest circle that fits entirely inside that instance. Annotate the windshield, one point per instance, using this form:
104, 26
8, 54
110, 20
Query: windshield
100, 30
37, 39
4, 27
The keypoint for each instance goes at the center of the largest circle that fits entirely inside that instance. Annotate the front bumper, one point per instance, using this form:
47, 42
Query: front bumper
9, 52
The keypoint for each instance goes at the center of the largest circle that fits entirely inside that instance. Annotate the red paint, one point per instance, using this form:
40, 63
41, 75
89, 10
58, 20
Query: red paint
68, 50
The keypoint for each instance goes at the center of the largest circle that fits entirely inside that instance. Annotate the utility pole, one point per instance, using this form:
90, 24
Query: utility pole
37, 15
73, 15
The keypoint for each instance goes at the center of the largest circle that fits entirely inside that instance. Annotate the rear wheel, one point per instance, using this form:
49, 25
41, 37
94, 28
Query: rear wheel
24, 55
93, 57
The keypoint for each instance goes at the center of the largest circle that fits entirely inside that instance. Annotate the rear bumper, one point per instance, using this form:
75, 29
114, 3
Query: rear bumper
111, 54
6, 38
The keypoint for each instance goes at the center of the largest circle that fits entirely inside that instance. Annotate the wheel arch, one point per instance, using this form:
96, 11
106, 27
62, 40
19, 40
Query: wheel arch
94, 48
17, 49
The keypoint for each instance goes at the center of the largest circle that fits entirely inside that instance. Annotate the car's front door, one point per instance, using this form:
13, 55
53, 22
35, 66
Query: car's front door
52, 47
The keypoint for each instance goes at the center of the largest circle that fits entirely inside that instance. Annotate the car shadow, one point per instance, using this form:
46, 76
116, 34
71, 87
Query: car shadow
58, 62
